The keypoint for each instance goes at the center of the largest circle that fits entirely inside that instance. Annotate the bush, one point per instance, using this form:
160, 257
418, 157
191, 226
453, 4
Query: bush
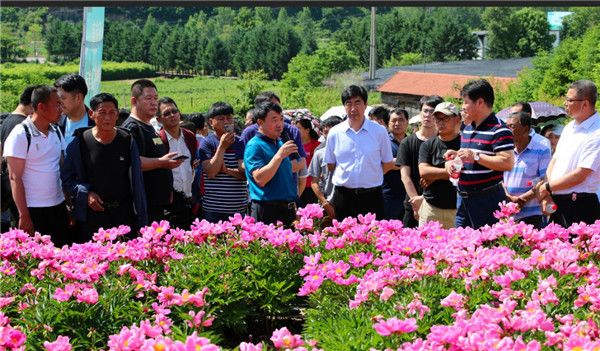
369, 284
16, 77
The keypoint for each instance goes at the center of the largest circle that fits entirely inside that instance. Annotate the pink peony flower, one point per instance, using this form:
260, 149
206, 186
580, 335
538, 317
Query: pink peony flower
283, 339
395, 326
60, 344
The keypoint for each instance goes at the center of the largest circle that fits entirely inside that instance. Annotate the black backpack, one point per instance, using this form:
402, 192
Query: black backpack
5, 178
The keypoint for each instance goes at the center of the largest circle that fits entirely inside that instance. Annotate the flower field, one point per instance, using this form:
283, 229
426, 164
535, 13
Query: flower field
360, 284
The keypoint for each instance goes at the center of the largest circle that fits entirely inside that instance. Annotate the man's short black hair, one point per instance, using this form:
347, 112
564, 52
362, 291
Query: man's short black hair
261, 111
41, 94
219, 109
380, 112
163, 101
189, 125
524, 118
72, 83
400, 112
137, 88
430, 100
25, 98
197, 119
479, 88
525, 106
354, 91
331, 121
103, 97
266, 96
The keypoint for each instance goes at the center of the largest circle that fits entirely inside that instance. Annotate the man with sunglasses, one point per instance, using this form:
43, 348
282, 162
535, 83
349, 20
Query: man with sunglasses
573, 175
184, 143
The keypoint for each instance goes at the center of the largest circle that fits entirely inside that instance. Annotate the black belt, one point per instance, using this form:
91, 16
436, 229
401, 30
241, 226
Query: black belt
575, 196
289, 205
358, 191
480, 192
111, 204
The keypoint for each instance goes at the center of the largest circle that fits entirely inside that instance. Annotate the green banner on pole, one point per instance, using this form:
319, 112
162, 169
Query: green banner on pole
90, 60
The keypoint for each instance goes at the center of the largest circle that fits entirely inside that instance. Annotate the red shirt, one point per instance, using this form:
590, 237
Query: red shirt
309, 148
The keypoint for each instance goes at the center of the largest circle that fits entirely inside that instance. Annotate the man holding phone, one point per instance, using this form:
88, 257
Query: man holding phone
222, 156
157, 162
183, 142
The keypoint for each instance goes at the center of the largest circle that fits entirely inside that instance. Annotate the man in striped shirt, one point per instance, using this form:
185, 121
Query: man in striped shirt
531, 160
486, 150
222, 155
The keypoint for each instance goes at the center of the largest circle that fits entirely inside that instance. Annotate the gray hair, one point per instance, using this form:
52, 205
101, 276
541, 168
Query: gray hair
586, 90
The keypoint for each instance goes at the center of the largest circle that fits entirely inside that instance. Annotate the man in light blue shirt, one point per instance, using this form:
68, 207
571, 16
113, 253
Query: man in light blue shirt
72, 90
358, 153
531, 161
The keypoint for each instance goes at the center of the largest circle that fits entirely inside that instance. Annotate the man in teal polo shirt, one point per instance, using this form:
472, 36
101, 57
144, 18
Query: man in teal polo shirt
269, 169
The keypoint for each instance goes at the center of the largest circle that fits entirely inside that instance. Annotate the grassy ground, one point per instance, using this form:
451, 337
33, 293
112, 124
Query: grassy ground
197, 94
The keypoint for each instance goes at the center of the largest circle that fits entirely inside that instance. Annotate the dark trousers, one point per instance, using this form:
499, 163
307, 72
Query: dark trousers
51, 221
308, 197
476, 209
575, 208
352, 202
269, 212
114, 215
393, 208
408, 219
179, 212
535, 221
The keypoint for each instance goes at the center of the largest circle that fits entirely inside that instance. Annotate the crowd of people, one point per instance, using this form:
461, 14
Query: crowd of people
69, 169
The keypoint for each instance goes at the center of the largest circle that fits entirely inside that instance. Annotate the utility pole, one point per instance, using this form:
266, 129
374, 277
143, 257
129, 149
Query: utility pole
372, 55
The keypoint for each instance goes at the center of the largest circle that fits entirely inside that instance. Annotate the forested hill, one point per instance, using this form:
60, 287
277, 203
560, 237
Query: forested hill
231, 41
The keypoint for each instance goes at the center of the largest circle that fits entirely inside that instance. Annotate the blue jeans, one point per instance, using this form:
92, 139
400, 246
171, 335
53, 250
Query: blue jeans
477, 209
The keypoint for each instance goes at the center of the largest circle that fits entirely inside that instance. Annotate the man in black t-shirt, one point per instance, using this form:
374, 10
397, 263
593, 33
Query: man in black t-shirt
408, 160
439, 195
155, 157
102, 174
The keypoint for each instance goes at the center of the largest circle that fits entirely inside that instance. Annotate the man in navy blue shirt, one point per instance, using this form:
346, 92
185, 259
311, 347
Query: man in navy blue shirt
269, 169
486, 150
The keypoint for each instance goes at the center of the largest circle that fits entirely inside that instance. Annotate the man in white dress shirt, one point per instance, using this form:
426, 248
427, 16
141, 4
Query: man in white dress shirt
358, 153
574, 171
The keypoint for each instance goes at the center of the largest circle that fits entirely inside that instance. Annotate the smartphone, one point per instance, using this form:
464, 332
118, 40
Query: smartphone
229, 128
180, 157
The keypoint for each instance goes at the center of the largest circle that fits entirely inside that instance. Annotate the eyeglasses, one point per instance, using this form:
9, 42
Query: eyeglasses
512, 126
569, 100
169, 113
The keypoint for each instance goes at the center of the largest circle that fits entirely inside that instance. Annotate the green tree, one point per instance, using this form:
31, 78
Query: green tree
169, 48
149, 32
533, 33
307, 31
450, 38
66, 40
501, 27
263, 15
282, 16
9, 48
156, 54
582, 18
308, 71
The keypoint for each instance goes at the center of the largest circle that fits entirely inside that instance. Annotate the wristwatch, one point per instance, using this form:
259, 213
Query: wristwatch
476, 157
